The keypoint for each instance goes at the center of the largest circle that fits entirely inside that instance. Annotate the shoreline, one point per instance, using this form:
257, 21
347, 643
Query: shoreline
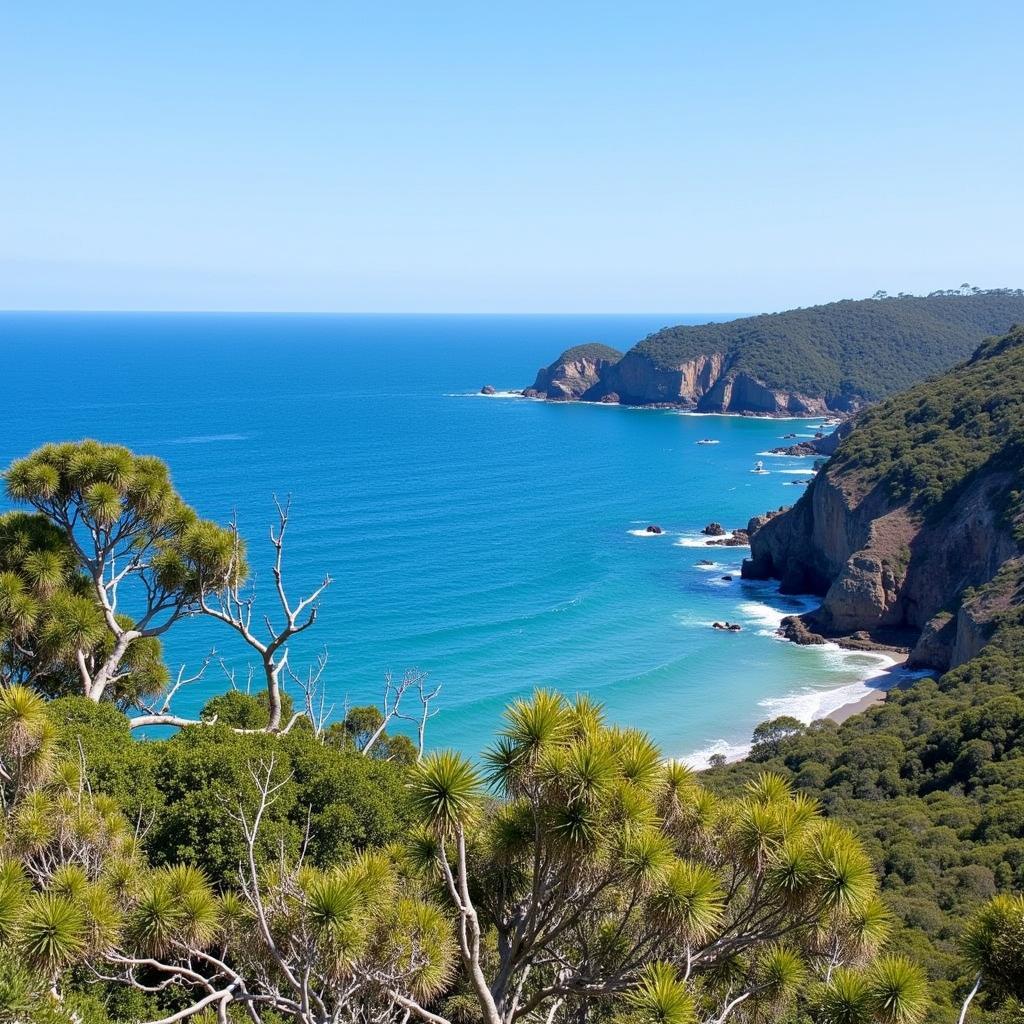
832, 418
895, 677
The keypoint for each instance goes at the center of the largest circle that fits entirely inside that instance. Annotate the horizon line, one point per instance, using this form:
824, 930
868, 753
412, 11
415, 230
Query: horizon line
365, 312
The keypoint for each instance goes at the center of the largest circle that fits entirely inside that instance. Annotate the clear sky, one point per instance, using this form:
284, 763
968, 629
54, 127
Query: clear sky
518, 157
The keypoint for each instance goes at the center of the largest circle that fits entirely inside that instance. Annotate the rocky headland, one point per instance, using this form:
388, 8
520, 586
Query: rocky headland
913, 532
829, 360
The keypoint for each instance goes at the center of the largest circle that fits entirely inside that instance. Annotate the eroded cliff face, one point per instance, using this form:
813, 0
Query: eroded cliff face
570, 377
706, 383
883, 570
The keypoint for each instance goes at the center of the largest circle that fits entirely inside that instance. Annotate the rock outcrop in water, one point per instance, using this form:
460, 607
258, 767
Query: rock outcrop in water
823, 360
914, 530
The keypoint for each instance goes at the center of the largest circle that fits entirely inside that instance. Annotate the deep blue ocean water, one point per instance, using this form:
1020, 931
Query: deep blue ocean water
486, 541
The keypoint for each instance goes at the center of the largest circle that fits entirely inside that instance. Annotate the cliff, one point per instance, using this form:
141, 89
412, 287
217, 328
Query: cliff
830, 359
914, 528
574, 373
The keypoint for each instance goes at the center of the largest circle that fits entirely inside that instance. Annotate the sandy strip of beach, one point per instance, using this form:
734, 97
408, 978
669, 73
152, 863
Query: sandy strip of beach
894, 678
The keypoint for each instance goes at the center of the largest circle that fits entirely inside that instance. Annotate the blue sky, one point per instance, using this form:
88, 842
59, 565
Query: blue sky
515, 157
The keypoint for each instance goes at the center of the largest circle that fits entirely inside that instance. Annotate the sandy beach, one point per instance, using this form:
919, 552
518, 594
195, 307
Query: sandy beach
894, 678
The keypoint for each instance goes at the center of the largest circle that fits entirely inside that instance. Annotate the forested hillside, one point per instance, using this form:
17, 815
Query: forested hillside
919, 512
866, 347
818, 360
933, 782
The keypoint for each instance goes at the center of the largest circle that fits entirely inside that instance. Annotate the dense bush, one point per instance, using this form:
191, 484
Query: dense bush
925, 445
933, 783
868, 347
184, 790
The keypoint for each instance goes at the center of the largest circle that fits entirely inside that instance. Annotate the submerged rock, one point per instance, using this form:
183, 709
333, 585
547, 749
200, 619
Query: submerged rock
654, 529
487, 389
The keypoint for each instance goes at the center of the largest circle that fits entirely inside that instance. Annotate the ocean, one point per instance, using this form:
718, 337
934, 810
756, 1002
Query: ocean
495, 543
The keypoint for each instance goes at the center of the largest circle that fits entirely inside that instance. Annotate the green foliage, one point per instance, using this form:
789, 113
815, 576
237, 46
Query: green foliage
866, 348
993, 943
111, 533
185, 788
625, 868
768, 735
244, 710
924, 445
932, 782
592, 350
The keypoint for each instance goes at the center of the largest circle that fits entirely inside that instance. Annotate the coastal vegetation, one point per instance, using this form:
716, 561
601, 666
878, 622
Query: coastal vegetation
260, 863
932, 780
581, 877
929, 442
815, 360
865, 347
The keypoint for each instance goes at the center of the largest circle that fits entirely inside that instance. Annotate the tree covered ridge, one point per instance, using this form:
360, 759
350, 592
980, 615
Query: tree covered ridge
864, 348
933, 783
927, 443
592, 350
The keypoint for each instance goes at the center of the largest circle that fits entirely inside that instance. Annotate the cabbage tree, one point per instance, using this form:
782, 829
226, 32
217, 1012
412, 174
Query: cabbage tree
993, 944
584, 871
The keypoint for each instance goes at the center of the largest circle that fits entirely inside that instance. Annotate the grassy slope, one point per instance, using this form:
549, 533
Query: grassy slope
869, 347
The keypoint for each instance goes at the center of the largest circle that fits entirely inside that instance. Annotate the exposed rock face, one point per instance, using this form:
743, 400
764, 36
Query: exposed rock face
705, 383
574, 374
595, 373
883, 570
823, 445
813, 361
713, 530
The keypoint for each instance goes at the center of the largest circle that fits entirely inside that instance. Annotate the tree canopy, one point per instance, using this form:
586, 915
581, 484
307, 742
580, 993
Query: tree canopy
868, 348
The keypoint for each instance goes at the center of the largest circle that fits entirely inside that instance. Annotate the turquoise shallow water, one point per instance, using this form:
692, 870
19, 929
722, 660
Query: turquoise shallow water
486, 541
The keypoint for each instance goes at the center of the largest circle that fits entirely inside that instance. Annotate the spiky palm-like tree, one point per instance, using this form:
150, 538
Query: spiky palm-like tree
314, 946
595, 860
993, 945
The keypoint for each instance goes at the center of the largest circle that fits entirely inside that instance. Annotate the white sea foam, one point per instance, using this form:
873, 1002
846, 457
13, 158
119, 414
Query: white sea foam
480, 394
692, 540
798, 472
762, 614
645, 533
730, 751
809, 705
781, 455
713, 567
209, 438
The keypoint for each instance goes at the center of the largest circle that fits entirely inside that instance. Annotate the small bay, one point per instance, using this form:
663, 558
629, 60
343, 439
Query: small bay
497, 544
